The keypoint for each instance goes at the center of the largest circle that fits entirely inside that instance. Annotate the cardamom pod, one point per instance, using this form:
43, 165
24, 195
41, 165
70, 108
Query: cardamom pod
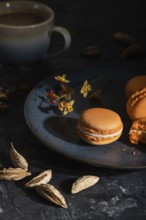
17, 159
50, 193
124, 38
84, 182
13, 174
133, 50
42, 178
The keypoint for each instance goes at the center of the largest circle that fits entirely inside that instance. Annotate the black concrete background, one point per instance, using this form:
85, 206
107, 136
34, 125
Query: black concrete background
119, 194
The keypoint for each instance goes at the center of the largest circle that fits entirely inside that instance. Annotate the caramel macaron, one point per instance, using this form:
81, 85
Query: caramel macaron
134, 84
99, 126
136, 105
137, 131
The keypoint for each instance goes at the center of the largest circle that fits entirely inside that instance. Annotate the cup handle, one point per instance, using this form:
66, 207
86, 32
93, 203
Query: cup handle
67, 42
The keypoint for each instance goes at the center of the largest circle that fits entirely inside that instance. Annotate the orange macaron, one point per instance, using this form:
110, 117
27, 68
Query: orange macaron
134, 84
99, 126
136, 105
137, 131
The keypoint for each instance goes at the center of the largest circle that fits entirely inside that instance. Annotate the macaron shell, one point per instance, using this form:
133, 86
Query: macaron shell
139, 109
136, 105
99, 126
101, 121
134, 84
97, 141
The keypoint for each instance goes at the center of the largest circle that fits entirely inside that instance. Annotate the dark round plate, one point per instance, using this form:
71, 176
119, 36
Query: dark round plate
58, 132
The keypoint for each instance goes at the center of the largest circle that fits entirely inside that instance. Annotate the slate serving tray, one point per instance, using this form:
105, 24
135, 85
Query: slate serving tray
58, 132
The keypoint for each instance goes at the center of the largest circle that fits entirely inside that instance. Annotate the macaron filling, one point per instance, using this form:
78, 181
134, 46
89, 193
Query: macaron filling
137, 132
101, 135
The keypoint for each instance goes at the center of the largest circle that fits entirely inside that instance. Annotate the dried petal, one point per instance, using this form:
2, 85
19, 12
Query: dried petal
86, 88
66, 107
42, 178
50, 193
17, 159
124, 38
62, 79
84, 182
13, 174
66, 91
52, 97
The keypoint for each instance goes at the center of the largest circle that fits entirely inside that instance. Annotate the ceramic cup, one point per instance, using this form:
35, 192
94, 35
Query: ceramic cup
26, 28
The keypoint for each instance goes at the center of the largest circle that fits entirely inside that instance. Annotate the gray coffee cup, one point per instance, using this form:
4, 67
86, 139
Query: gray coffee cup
26, 28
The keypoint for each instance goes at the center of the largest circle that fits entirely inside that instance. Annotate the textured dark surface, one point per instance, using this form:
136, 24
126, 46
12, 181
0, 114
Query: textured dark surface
119, 194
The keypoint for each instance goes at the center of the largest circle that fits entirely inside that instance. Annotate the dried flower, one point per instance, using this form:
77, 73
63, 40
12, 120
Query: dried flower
64, 100
66, 107
66, 91
52, 97
62, 78
95, 95
86, 88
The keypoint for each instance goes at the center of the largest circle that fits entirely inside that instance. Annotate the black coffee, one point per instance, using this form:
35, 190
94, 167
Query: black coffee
20, 18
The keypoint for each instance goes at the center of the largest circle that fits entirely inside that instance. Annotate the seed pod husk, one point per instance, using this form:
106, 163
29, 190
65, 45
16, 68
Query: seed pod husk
42, 178
17, 159
13, 174
132, 51
52, 194
124, 38
84, 182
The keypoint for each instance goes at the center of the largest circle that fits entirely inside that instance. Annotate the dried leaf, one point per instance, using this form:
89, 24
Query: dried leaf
17, 159
83, 183
42, 178
50, 193
13, 174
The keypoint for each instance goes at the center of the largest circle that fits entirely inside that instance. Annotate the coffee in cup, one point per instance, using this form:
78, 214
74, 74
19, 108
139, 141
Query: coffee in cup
26, 28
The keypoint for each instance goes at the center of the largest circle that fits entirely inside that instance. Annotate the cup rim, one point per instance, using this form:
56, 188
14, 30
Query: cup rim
9, 3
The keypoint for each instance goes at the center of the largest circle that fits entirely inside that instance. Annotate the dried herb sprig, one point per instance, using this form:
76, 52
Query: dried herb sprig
64, 98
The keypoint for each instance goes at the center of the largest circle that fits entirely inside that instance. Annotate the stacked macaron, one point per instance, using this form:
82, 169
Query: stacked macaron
135, 91
99, 126
135, 84
138, 131
136, 105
